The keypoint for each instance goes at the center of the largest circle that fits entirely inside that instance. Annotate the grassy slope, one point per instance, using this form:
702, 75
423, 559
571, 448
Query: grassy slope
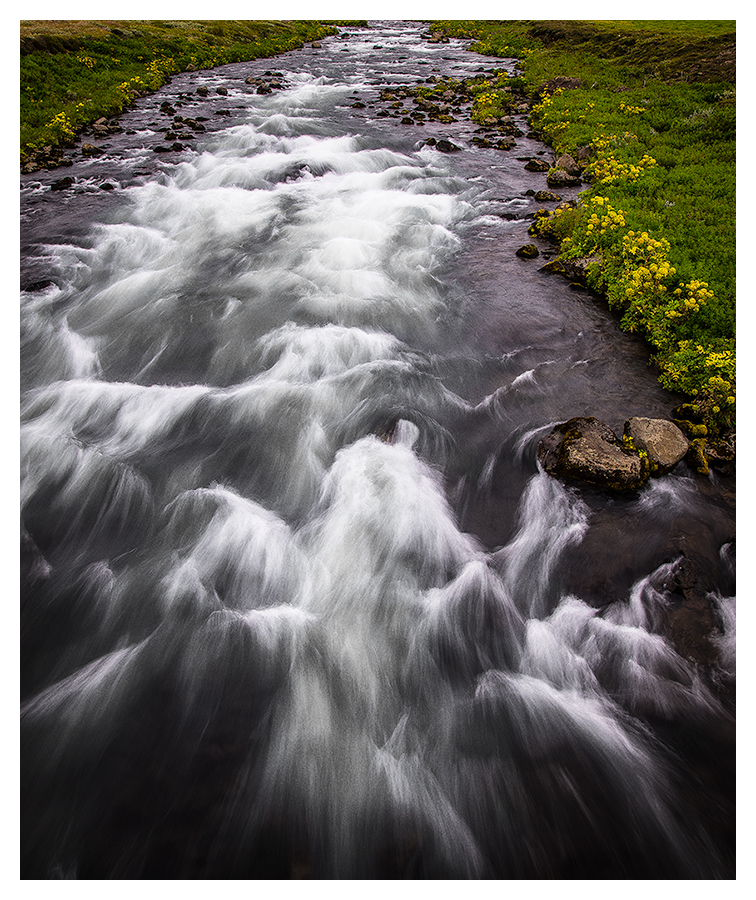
73, 72
657, 106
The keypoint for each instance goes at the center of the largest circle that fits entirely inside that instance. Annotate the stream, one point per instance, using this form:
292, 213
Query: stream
297, 599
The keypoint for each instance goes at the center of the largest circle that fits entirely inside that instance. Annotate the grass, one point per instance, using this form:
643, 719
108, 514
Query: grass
656, 109
74, 72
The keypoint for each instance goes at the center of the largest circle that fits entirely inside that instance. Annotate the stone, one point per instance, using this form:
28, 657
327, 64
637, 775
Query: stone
573, 269
662, 441
529, 251
446, 146
561, 178
568, 163
546, 197
63, 184
696, 457
690, 619
91, 150
588, 451
537, 165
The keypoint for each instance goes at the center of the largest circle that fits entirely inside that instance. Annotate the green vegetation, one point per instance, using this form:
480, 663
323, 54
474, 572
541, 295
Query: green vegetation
72, 73
654, 112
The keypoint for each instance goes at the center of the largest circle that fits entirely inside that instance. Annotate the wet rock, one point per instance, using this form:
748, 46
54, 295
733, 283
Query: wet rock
546, 197
63, 184
661, 440
573, 269
316, 45
446, 146
222, 91
586, 450
696, 456
528, 251
720, 454
91, 150
561, 178
202, 91
689, 620
537, 165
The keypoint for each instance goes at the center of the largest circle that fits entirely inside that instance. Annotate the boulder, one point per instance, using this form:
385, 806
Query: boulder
662, 441
537, 165
569, 164
586, 450
529, 251
446, 146
63, 184
546, 197
558, 178
573, 269
91, 150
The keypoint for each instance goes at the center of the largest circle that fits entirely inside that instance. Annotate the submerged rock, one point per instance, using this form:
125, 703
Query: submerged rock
690, 620
587, 450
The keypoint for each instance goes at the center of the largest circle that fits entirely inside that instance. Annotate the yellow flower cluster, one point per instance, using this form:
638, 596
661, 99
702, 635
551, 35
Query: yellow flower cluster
708, 375
604, 217
608, 168
61, 125
88, 61
542, 107
631, 110
158, 69
126, 88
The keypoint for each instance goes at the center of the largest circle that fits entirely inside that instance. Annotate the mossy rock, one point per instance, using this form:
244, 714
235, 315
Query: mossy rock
529, 251
696, 456
659, 441
586, 450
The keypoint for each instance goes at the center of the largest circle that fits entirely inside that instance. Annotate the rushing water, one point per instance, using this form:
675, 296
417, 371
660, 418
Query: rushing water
296, 599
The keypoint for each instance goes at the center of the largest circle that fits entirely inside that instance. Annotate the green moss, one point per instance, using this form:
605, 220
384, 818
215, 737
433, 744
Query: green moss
697, 456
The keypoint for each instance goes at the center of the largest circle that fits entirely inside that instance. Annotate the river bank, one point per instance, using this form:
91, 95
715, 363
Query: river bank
648, 109
76, 72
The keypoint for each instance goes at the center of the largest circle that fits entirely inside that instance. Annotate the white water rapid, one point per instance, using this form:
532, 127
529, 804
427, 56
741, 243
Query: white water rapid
297, 600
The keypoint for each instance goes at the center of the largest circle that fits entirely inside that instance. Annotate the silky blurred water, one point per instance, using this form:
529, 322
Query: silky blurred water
296, 599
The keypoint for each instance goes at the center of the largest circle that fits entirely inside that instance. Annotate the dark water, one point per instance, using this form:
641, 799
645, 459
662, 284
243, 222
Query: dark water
296, 599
